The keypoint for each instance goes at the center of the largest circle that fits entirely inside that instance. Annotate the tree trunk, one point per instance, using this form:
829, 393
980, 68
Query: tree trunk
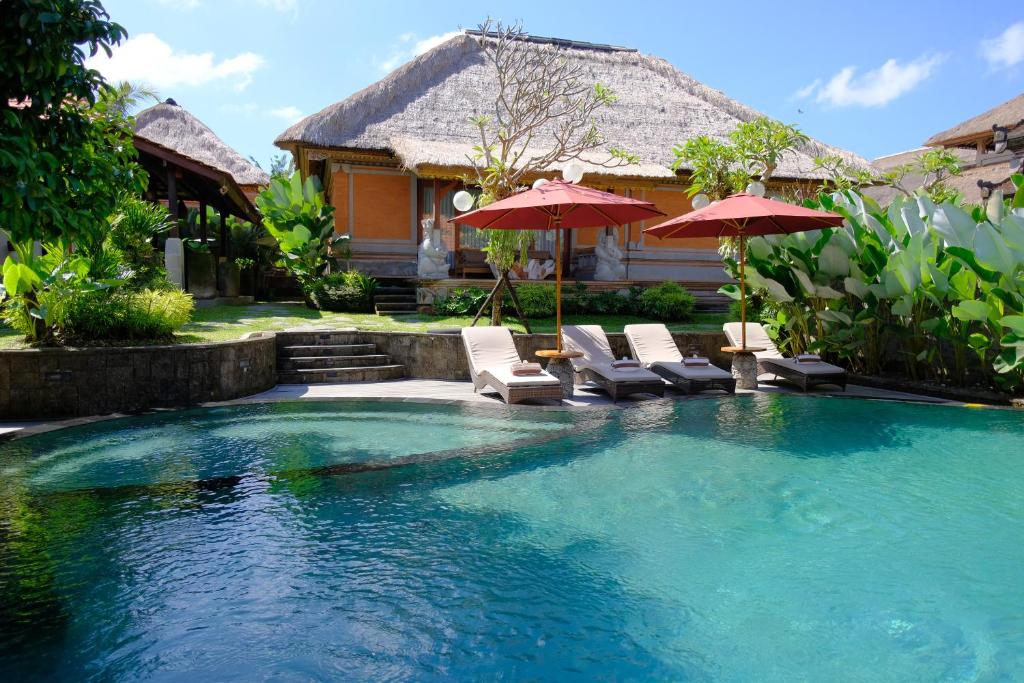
499, 295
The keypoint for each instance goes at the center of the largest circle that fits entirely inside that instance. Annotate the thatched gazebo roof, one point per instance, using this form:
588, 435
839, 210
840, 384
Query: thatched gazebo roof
170, 125
187, 162
1009, 114
419, 112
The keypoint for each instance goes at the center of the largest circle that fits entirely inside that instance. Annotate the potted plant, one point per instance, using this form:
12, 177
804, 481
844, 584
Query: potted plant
202, 276
246, 268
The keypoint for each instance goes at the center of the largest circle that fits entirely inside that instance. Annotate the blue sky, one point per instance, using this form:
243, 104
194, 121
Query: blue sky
875, 78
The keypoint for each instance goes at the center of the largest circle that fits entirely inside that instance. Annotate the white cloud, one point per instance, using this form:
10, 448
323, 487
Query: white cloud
874, 88
290, 114
403, 55
1006, 49
808, 90
147, 59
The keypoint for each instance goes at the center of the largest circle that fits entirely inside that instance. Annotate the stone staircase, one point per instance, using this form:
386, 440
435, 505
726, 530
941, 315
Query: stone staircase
324, 357
395, 299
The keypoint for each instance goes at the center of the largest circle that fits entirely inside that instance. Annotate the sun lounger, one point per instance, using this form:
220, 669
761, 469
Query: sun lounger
598, 364
770, 361
653, 346
492, 357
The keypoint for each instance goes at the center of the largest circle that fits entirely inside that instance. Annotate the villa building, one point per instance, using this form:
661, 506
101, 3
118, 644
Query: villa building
395, 152
990, 147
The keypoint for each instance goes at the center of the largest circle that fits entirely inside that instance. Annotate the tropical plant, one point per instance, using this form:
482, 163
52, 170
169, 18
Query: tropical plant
350, 291
929, 288
537, 300
668, 301
539, 89
300, 220
462, 301
719, 168
122, 315
133, 229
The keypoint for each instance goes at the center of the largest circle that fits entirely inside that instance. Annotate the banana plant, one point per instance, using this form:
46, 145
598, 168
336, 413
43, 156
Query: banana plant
296, 214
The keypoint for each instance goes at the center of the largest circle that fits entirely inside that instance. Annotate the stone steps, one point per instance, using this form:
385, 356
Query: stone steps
332, 357
326, 350
288, 364
380, 373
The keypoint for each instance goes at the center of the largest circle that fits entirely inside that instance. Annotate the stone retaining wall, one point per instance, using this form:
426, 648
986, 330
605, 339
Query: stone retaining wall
59, 382
442, 356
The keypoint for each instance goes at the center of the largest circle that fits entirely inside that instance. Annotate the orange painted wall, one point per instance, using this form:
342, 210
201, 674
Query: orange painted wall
339, 200
382, 206
674, 203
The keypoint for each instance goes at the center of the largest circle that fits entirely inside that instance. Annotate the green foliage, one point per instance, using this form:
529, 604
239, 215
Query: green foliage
668, 301
242, 262
65, 152
762, 143
930, 288
715, 166
132, 228
300, 220
347, 292
460, 301
537, 300
121, 315
33, 283
720, 169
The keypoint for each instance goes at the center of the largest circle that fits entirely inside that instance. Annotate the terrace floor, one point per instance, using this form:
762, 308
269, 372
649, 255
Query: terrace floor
451, 392
429, 389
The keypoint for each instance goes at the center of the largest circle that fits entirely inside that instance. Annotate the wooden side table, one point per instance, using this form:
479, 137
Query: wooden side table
559, 366
744, 365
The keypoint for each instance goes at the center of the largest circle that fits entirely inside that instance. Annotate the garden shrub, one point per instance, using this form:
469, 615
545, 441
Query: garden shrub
460, 302
538, 301
347, 292
121, 315
669, 302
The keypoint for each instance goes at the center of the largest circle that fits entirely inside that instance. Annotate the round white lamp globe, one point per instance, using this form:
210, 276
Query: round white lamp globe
572, 172
463, 200
699, 201
756, 188
539, 181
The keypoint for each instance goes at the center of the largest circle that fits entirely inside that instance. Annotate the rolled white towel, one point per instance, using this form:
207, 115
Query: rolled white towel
625, 364
696, 361
808, 358
526, 368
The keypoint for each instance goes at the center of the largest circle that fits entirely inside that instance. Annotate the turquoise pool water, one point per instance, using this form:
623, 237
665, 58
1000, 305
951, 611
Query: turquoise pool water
761, 538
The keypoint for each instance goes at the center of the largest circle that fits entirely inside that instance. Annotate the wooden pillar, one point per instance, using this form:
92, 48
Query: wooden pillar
172, 198
202, 221
224, 239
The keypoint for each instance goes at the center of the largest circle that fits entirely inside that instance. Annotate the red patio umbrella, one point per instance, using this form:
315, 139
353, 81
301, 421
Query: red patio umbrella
742, 215
559, 205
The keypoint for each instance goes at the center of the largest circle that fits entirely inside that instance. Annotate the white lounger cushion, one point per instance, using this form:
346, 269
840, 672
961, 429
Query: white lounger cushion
592, 342
491, 350
758, 337
652, 343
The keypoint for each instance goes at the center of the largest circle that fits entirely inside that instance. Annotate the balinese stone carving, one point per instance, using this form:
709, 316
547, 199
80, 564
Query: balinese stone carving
609, 259
432, 263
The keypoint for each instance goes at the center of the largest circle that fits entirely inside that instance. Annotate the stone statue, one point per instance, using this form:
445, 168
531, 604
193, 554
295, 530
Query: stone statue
433, 257
609, 259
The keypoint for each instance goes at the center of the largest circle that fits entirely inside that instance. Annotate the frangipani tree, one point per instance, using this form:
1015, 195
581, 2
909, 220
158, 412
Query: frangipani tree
543, 116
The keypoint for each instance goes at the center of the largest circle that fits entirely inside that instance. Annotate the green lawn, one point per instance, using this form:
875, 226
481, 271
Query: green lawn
219, 323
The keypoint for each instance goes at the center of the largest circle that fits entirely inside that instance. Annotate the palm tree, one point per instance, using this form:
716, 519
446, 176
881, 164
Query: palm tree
123, 97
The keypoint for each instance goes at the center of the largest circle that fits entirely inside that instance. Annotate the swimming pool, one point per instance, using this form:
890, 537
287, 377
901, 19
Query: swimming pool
756, 538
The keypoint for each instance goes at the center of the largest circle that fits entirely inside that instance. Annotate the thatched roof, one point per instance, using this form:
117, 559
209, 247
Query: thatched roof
1009, 114
419, 112
966, 183
172, 127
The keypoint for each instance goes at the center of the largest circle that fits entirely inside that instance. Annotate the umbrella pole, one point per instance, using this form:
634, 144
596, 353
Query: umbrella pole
558, 285
743, 293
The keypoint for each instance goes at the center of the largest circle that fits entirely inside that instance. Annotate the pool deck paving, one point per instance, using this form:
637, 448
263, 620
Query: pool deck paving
442, 391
